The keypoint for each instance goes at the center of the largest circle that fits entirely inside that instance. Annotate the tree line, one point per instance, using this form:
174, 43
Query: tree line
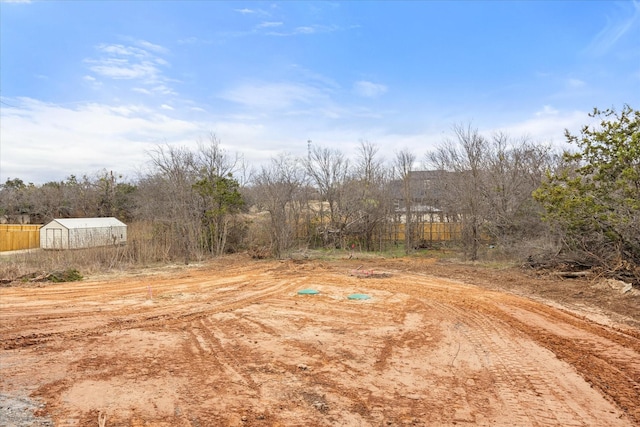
506, 194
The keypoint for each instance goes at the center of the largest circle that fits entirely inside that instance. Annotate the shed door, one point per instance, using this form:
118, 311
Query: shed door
54, 238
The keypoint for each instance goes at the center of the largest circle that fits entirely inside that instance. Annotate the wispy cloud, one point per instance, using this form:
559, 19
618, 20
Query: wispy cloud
152, 47
141, 63
547, 110
163, 89
576, 83
269, 24
92, 82
117, 68
273, 95
304, 30
247, 11
626, 19
188, 40
369, 89
142, 90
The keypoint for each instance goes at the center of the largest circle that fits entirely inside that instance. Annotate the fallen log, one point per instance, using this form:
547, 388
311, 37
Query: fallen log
572, 274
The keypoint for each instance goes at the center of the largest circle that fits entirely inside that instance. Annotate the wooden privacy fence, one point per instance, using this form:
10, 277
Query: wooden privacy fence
429, 231
14, 237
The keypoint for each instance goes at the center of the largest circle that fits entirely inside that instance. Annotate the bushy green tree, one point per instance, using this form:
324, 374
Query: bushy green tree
594, 200
222, 200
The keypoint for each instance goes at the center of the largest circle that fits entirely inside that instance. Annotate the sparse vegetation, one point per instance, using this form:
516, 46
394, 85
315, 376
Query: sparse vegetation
68, 275
496, 190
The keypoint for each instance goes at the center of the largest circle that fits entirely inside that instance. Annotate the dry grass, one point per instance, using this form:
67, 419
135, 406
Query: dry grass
23, 264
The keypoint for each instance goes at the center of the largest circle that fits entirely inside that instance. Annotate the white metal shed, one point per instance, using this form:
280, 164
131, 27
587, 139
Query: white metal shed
76, 233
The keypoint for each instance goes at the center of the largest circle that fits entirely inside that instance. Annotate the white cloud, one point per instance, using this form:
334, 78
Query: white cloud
142, 90
616, 28
163, 90
118, 49
188, 40
369, 89
304, 30
245, 11
546, 111
116, 68
273, 95
92, 82
152, 47
43, 141
548, 125
125, 62
576, 83
269, 24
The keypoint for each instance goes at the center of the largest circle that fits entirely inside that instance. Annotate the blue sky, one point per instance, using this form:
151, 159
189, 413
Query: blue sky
97, 85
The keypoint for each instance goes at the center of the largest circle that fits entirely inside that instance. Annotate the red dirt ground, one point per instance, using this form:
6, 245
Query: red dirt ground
232, 343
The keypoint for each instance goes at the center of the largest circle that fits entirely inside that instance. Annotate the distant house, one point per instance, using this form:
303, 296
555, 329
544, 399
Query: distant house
76, 233
428, 197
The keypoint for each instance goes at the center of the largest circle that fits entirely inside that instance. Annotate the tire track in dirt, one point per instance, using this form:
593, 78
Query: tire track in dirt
469, 307
212, 352
614, 377
129, 318
599, 353
310, 385
315, 385
515, 371
240, 348
594, 359
521, 380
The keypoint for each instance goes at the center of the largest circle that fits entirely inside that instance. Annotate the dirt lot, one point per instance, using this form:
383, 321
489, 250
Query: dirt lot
233, 343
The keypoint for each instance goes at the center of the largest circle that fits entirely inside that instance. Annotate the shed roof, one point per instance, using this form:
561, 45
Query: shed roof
89, 222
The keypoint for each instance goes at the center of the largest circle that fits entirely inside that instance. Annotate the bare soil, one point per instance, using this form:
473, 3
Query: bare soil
232, 343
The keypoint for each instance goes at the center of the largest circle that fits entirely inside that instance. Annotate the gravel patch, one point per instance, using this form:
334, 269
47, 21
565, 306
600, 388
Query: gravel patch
18, 411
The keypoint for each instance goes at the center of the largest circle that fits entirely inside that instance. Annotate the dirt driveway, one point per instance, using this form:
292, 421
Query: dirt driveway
232, 343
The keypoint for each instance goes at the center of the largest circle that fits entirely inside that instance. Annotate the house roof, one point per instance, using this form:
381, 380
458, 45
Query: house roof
89, 222
425, 185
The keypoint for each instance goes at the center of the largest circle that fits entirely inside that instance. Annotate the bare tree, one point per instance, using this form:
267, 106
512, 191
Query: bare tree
168, 198
403, 166
328, 171
514, 169
489, 184
278, 188
368, 194
213, 161
462, 162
